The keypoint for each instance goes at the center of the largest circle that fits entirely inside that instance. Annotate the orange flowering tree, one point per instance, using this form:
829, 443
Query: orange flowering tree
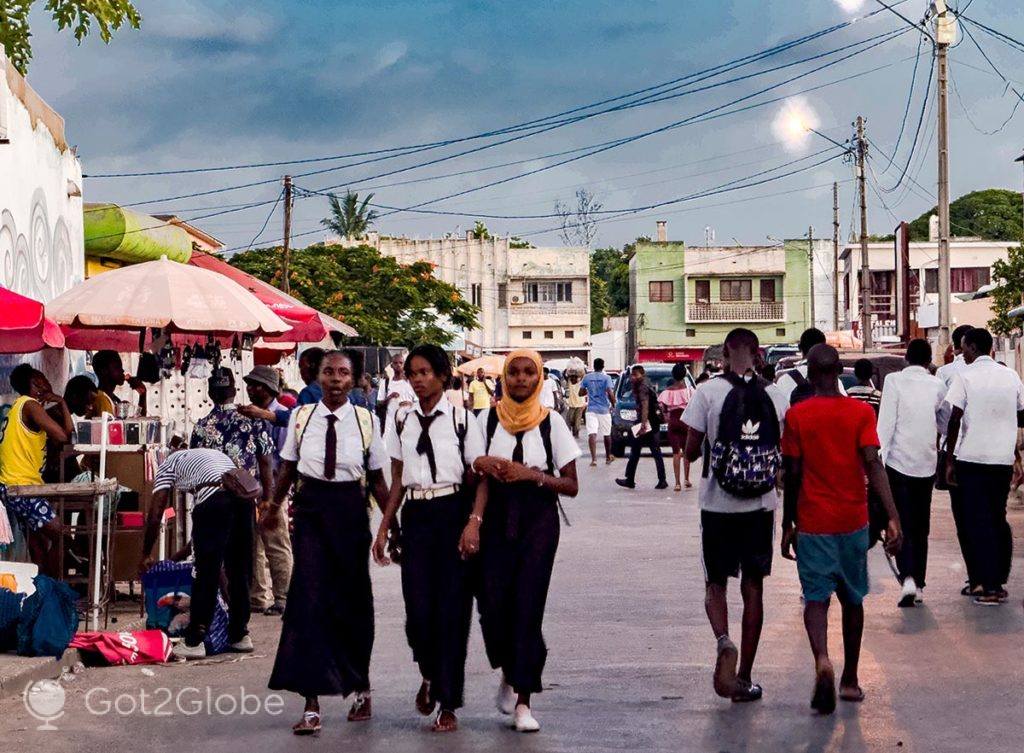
387, 302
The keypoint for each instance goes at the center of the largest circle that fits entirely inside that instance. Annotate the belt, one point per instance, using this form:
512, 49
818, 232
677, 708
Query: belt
441, 491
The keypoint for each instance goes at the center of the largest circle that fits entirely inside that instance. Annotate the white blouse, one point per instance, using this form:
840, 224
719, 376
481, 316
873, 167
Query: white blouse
564, 449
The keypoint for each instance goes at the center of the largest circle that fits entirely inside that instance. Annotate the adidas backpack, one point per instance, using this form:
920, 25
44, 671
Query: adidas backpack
745, 458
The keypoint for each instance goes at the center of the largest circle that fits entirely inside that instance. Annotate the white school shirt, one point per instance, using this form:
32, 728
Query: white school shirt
908, 421
990, 395
946, 374
416, 467
564, 449
349, 457
547, 392
787, 384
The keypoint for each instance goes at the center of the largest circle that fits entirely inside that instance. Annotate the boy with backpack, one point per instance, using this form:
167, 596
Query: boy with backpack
830, 445
735, 422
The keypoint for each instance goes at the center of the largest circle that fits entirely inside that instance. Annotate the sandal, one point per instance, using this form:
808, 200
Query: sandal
360, 711
725, 668
824, 698
424, 703
445, 722
308, 725
678, 488
746, 692
851, 694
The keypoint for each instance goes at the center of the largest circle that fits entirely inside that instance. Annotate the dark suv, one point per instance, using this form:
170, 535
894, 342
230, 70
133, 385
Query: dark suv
624, 414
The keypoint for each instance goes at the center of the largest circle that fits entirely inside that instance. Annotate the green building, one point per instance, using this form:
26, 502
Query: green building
684, 299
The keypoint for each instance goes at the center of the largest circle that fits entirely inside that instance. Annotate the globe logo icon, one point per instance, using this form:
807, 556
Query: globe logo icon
44, 700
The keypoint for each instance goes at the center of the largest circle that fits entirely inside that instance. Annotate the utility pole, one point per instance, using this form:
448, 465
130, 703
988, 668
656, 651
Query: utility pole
286, 286
810, 262
865, 267
945, 35
835, 256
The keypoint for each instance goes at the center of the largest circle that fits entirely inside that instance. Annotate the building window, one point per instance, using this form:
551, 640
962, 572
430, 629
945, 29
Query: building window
659, 292
476, 293
549, 292
768, 291
931, 281
969, 279
569, 334
703, 291
527, 334
735, 290
780, 331
502, 295
691, 333
549, 334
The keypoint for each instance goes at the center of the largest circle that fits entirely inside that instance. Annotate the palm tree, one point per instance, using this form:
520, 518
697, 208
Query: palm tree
349, 218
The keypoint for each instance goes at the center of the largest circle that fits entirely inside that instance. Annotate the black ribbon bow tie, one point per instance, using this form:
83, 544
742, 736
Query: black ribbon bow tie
424, 446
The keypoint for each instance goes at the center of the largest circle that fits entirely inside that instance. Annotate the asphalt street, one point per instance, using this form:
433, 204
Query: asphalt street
629, 668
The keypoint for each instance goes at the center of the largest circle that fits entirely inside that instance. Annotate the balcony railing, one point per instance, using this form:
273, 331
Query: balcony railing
736, 311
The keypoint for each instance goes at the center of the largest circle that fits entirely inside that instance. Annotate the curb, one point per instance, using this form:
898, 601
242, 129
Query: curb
47, 668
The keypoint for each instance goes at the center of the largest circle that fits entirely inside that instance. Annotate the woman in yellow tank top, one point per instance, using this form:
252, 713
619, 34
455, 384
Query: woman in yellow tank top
22, 456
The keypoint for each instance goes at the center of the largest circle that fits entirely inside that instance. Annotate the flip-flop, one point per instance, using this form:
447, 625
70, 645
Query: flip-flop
309, 725
747, 692
449, 723
824, 699
424, 703
851, 695
725, 668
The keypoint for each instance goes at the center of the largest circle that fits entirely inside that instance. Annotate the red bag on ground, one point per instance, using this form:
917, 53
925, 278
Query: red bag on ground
116, 649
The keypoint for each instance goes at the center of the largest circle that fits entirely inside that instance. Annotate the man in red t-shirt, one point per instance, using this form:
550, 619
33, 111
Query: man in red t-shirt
829, 444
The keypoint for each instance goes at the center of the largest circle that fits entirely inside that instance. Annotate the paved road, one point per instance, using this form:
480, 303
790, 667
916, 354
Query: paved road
630, 662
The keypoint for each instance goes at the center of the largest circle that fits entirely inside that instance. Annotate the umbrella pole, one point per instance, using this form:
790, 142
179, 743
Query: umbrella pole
100, 513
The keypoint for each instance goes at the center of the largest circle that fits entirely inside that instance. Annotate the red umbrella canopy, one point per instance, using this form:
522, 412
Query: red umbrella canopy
23, 326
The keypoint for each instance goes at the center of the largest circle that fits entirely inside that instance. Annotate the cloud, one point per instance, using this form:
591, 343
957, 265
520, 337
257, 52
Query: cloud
390, 55
195, 21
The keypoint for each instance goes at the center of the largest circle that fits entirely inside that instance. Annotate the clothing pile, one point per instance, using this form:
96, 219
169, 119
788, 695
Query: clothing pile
42, 624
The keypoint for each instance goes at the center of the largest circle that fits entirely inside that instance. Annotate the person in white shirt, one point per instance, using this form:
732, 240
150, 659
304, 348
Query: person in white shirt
332, 449
530, 460
908, 426
987, 400
431, 451
394, 395
548, 391
790, 381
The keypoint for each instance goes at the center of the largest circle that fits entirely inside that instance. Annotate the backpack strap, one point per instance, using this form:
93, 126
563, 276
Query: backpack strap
461, 429
302, 415
492, 425
365, 420
545, 436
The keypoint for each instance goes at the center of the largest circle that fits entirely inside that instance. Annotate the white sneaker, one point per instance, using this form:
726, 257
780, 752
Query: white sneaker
524, 719
919, 596
505, 700
243, 646
185, 651
909, 594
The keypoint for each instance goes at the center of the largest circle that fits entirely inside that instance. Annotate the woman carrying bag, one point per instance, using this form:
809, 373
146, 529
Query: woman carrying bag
530, 460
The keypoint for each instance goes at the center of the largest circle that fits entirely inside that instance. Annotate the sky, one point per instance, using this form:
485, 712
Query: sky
207, 83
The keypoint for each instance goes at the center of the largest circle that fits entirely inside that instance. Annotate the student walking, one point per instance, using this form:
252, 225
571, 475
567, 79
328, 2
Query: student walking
576, 402
865, 390
829, 443
673, 401
530, 461
794, 384
431, 452
649, 436
987, 399
331, 450
907, 430
736, 416
597, 388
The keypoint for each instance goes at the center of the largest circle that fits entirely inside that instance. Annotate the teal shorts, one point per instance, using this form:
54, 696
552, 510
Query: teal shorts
833, 563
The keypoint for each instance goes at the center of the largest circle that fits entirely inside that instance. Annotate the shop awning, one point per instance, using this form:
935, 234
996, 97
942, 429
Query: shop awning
23, 326
308, 324
118, 233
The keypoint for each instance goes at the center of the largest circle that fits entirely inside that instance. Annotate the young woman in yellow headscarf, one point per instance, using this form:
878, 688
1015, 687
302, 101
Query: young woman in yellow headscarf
530, 460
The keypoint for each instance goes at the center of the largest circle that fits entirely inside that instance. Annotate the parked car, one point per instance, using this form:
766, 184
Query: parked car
775, 353
624, 414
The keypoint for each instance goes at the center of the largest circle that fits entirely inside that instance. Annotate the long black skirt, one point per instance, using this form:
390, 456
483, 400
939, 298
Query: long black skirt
327, 636
518, 542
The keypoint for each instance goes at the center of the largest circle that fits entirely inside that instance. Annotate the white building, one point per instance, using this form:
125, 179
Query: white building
528, 297
970, 261
41, 245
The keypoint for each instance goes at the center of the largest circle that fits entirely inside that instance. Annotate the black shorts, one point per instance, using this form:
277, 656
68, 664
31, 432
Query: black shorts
734, 541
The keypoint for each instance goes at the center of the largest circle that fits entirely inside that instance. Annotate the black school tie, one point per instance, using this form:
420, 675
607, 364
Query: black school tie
330, 448
517, 453
425, 446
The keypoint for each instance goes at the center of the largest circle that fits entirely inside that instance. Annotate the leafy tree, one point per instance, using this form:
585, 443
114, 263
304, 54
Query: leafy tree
349, 218
1009, 291
480, 231
79, 15
387, 302
600, 303
516, 242
993, 214
611, 266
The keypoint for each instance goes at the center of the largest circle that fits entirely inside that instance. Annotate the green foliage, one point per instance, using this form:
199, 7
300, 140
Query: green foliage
480, 231
1009, 293
387, 302
78, 15
516, 242
349, 218
611, 266
993, 214
600, 303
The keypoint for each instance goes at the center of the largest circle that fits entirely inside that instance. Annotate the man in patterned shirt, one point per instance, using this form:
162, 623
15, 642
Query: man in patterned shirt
246, 441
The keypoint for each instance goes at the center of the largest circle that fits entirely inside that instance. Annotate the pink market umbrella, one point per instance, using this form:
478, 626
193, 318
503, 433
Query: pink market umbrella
23, 326
176, 297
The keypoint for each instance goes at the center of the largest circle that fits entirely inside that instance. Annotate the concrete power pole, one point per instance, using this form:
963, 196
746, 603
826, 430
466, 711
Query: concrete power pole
865, 267
945, 35
810, 262
286, 250
835, 256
